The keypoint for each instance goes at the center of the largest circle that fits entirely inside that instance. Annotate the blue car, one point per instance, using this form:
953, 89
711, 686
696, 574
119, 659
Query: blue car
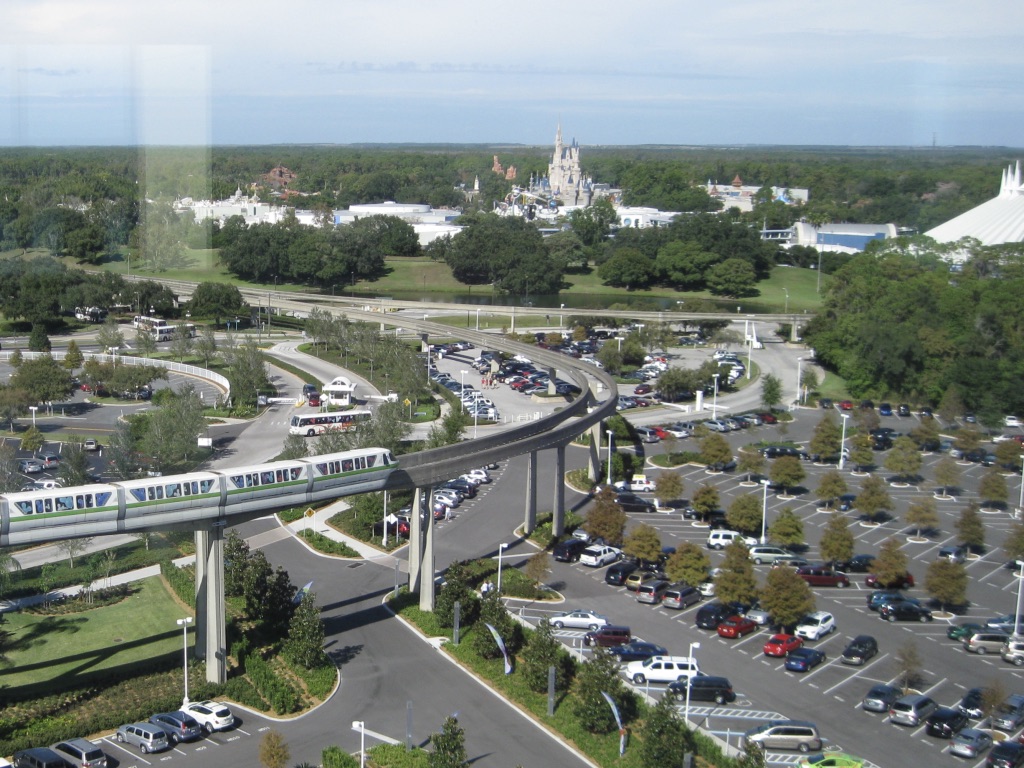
885, 409
804, 659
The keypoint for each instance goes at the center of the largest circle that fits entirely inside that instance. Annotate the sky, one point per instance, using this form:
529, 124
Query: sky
216, 72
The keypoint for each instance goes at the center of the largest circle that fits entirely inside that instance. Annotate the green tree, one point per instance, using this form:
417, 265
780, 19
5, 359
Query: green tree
73, 547
665, 738
181, 342
10, 478
922, 514
873, 499
903, 459
606, 518
274, 751
121, 455
735, 583
44, 379
786, 596
541, 652
970, 528
732, 277
73, 357
600, 673
449, 746
206, 346
217, 300
449, 431
38, 340
947, 475
908, 666
992, 487
750, 463
295, 447
752, 757
836, 540
145, 344
891, 564
629, 269
668, 486
643, 543
493, 612
1008, 454
689, 564
305, 642
109, 336
1013, 545
967, 439
13, 403
74, 469
946, 582
860, 451
787, 529
715, 449
827, 437
831, 487
456, 590
745, 513
771, 391
32, 440
787, 472
705, 501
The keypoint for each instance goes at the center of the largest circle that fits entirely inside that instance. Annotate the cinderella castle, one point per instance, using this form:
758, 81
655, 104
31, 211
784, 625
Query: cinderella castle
565, 181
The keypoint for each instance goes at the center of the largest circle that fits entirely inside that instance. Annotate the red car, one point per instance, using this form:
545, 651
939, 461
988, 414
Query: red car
768, 418
781, 645
906, 581
736, 626
661, 433
845, 405
643, 389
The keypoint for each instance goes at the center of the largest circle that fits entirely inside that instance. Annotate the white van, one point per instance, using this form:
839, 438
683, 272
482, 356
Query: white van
722, 539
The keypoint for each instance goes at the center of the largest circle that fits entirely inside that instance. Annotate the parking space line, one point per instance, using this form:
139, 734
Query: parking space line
119, 745
857, 674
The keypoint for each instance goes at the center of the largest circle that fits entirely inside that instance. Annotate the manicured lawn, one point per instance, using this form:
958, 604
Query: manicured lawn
61, 650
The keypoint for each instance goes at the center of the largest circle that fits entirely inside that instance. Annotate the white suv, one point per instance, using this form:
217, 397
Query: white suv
597, 555
662, 669
816, 625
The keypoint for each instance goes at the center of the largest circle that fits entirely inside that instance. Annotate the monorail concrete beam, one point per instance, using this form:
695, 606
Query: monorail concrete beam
558, 514
416, 539
530, 518
211, 630
427, 561
594, 464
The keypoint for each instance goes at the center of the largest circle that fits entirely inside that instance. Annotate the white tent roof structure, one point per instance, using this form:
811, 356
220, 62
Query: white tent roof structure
998, 221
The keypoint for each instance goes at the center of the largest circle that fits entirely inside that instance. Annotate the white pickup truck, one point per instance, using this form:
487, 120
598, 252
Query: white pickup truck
639, 484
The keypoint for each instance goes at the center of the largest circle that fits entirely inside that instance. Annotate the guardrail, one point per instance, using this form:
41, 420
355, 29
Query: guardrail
142, 362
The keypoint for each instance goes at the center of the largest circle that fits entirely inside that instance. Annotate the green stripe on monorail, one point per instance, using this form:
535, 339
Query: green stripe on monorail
351, 472
170, 499
18, 516
254, 488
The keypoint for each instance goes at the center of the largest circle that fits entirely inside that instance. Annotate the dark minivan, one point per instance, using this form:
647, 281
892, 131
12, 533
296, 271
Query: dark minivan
704, 688
568, 551
617, 574
711, 615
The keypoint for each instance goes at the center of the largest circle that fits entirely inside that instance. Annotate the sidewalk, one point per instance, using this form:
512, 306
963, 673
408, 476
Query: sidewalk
318, 523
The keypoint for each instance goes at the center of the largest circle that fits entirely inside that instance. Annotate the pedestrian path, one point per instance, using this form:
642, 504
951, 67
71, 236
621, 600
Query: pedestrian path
318, 522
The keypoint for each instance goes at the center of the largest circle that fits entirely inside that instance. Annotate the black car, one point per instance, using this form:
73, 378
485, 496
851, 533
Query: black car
945, 722
902, 409
1006, 754
971, 703
617, 573
636, 651
904, 610
703, 688
464, 487
856, 564
630, 502
568, 551
711, 615
860, 649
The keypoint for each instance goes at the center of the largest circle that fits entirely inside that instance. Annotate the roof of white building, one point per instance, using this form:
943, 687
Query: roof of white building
998, 221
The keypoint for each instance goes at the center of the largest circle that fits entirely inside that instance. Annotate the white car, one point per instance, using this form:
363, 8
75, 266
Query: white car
578, 619
211, 715
1013, 421
600, 554
639, 484
480, 474
816, 625
662, 669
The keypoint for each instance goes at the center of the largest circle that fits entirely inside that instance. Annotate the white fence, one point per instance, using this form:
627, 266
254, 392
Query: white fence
188, 370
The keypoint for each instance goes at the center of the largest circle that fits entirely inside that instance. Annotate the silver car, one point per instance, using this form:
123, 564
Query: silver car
970, 742
146, 736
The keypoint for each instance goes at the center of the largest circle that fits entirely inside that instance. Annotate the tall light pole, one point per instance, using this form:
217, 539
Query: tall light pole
360, 725
799, 374
714, 401
764, 512
750, 348
561, 322
686, 715
611, 436
183, 623
1020, 585
842, 447
501, 548
462, 376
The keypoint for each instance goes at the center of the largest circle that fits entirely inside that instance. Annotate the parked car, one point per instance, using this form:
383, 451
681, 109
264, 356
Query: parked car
945, 722
48, 460
617, 574
856, 564
568, 551
767, 554
703, 688
662, 669
636, 651
816, 625
80, 753
711, 615
817, 576
211, 715
630, 502
578, 619
179, 726
1013, 652
608, 636
596, 556
736, 626
146, 736
904, 611
804, 659
970, 742
1006, 623
30, 466
859, 650
906, 581
831, 760
912, 709
781, 645
637, 484
90, 445
1006, 754
37, 757
680, 596
956, 553
1009, 716
880, 597
971, 703
880, 698
784, 734
985, 641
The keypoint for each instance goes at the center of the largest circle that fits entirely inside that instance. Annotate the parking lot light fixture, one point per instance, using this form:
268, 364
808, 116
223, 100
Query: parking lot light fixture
842, 444
501, 548
611, 437
183, 623
764, 511
1020, 588
686, 715
360, 725
462, 376
714, 402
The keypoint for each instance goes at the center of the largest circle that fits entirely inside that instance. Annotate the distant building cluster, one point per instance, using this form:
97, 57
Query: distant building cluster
740, 195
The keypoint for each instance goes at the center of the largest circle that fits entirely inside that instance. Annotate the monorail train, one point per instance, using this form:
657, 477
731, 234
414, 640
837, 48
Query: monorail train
163, 502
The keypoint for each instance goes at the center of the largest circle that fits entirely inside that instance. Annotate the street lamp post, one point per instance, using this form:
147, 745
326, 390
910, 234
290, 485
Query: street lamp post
842, 445
462, 375
360, 725
33, 408
750, 348
1020, 586
183, 623
714, 402
561, 323
611, 435
501, 548
764, 512
799, 375
686, 715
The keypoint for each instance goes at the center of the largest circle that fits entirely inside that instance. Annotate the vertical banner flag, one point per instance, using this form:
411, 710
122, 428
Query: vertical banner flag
618, 720
501, 647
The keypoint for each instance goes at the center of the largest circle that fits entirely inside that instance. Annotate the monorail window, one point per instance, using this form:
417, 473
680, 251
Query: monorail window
101, 498
238, 480
266, 478
139, 494
155, 493
173, 491
64, 503
205, 485
44, 505
25, 507
371, 460
346, 465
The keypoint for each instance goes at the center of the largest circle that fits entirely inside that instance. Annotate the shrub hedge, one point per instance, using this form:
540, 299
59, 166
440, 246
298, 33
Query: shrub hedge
182, 581
397, 756
336, 757
282, 697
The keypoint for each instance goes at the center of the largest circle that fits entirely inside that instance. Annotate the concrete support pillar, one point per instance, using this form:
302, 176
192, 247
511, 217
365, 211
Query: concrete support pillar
551, 380
427, 561
530, 519
793, 335
202, 540
425, 343
594, 464
416, 539
558, 511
